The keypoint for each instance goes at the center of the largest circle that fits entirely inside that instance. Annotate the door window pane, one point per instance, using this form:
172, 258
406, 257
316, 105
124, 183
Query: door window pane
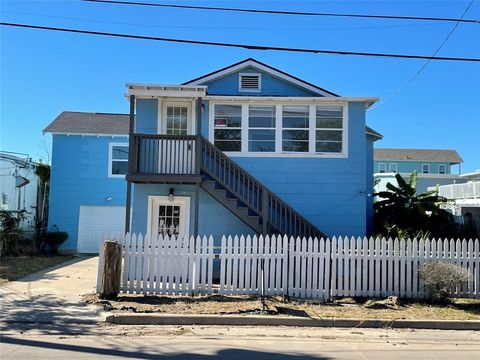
169, 220
177, 120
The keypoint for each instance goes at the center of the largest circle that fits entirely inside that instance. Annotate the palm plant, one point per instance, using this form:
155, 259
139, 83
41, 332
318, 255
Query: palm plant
401, 210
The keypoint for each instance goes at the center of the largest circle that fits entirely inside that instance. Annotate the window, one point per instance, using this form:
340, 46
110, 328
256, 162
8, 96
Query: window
329, 133
425, 168
228, 127
177, 120
270, 129
249, 82
442, 169
295, 127
118, 160
393, 167
382, 168
261, 132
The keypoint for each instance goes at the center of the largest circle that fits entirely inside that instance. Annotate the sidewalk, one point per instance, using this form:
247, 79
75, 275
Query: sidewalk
49, 302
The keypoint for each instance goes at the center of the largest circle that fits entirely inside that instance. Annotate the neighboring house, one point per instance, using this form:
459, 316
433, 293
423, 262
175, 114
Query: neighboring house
433, 167
465, 197
242, 150
19, 188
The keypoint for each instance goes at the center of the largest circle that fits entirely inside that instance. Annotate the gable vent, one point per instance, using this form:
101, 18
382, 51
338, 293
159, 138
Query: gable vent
249, 82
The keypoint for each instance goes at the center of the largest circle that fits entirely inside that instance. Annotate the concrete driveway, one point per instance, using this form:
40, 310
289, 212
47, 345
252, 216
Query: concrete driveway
49, 302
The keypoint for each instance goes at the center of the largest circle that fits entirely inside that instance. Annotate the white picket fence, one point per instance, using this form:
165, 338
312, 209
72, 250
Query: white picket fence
300, 268
164, 265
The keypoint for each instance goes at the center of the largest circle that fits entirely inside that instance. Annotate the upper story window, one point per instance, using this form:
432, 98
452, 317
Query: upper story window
393, 167
425, 168
249, 82
280, 129
382, 168
295, 122
118, 159
329, 129
442, 169
228, 127
261, 128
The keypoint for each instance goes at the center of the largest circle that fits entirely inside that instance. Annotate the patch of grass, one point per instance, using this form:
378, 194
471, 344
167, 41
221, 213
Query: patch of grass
16, 267
458, 309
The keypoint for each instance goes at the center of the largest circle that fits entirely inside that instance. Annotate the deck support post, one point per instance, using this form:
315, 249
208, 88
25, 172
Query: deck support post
131, 148
198, 161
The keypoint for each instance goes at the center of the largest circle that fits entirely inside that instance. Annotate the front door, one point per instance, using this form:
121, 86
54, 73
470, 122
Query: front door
169, 216
177, 154
177, 118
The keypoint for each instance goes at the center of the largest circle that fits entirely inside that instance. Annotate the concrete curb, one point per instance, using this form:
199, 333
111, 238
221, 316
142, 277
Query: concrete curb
238, 320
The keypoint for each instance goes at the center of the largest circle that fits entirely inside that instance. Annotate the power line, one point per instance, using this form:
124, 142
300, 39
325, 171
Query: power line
401, 88
244, 46
277, 12
221, 27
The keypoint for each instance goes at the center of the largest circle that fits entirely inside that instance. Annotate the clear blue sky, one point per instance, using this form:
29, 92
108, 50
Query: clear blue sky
44, 73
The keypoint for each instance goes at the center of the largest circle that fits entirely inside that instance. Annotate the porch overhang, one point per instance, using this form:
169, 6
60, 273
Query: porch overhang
148, 91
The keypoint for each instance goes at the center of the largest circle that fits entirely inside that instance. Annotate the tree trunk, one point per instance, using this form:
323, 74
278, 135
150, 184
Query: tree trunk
112, 267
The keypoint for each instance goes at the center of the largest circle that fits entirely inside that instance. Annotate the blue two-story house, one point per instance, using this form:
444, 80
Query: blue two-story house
247, 149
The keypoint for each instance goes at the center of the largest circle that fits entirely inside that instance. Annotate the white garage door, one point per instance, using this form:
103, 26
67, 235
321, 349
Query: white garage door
96, 222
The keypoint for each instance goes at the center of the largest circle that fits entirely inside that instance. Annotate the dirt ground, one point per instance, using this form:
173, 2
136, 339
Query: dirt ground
391, 308
16, 267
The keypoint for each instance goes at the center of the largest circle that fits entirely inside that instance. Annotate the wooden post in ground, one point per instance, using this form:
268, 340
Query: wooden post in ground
112, 267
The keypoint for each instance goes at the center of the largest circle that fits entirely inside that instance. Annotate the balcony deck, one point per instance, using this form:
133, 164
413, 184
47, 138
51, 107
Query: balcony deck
159, 158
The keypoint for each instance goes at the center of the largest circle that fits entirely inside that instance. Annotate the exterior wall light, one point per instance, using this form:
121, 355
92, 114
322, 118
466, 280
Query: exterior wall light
170, 194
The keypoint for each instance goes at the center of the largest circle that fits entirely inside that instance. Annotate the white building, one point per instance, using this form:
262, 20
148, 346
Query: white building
466, 196
19, 188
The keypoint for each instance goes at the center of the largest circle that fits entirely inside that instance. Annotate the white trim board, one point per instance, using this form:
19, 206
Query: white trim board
294, 99
89, 134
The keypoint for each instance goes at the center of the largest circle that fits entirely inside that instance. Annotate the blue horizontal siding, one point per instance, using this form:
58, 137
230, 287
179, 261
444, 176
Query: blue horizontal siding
79, 176
214, 218
271, 86
330, 193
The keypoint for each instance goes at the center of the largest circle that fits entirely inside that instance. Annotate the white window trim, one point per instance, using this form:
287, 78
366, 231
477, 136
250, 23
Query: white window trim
380, 166
428, 167
177, 200
240, 89
391, 166
110, 159
278, 130
445, 167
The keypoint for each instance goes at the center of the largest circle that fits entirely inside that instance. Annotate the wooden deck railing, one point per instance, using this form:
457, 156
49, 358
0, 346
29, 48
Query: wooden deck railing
164, 154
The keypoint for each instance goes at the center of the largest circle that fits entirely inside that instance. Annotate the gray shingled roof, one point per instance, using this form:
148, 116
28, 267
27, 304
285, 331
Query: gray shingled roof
89, 123
74, 122
434, 155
